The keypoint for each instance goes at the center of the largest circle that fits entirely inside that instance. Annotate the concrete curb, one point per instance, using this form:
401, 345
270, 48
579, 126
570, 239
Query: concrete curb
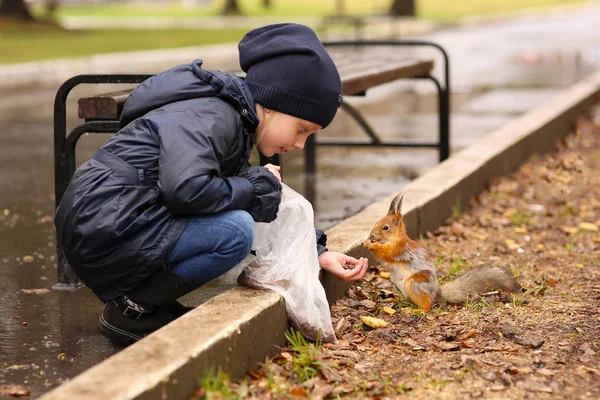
234, 331
240, 327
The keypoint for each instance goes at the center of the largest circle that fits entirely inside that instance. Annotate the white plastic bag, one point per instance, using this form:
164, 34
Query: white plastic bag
286, 261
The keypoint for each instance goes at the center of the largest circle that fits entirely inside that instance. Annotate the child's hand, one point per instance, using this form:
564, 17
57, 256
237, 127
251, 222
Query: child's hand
337, 264
274, 169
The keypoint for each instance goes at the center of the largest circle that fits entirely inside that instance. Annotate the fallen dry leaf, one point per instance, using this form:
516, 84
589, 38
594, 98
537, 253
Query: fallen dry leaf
320, 391
342, 325
330, 375
343, 389
35, 291
521, 337
588, 226
448, 346
470, 334
368, 303
511, 244
389, 310
298, 391
533, 386
546, 372
586, 349
562, 179
384, 275
591, 370
14, 391
569, 229
373, 322
497, 387
520, 370
478, 236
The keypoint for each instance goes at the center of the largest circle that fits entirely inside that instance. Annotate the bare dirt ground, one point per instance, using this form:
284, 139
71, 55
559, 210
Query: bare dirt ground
543, 221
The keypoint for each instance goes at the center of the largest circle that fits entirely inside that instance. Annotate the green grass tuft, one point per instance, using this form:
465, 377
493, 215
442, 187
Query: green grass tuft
304, 361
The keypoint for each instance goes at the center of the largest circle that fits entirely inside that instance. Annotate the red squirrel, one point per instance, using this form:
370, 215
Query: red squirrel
413, 271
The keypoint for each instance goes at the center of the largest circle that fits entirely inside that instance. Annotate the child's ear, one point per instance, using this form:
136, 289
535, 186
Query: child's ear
396, 205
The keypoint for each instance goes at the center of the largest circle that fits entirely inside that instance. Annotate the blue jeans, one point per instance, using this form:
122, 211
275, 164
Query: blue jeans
212, 245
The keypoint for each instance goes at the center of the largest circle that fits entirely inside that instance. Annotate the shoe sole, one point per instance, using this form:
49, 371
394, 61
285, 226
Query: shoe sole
118, 336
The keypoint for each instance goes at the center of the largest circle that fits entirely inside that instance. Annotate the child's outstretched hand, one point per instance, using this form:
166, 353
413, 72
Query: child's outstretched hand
342, 266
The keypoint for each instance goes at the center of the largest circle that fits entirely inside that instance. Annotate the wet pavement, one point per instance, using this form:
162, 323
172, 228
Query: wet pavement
499, 71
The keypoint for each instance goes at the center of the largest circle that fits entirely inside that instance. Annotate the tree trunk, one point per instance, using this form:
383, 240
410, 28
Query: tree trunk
51, 6
267, 3
401, 8
232, 8
15, 9
339, 7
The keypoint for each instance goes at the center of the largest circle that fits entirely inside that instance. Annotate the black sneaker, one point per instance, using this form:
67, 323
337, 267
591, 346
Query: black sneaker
125, 322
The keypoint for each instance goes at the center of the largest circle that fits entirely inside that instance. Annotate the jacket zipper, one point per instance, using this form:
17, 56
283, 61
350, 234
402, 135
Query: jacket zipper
244, 111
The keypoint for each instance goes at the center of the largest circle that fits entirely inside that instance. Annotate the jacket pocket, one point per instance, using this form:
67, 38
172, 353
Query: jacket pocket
132, 203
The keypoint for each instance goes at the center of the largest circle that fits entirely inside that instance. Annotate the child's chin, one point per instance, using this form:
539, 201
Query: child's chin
268, 153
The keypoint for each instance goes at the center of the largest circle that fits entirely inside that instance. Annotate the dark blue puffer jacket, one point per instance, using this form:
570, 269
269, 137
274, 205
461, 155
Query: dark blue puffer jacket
183, 150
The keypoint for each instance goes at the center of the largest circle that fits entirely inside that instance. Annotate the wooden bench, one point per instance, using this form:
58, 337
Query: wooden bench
360, 67
358, 74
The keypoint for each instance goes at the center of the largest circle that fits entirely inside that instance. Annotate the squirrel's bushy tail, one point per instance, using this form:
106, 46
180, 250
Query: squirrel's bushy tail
479, 279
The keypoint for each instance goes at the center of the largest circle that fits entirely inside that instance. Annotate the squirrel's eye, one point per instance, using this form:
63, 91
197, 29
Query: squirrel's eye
385, 227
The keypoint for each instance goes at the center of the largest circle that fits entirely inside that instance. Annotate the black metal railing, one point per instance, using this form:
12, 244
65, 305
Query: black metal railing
443, 144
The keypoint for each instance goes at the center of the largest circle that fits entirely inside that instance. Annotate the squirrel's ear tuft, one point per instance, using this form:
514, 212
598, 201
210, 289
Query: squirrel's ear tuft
396, 204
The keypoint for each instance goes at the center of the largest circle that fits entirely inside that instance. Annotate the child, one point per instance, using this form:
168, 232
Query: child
169, 202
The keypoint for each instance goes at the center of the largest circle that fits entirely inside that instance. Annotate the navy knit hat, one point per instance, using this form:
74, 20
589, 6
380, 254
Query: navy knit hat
288, 70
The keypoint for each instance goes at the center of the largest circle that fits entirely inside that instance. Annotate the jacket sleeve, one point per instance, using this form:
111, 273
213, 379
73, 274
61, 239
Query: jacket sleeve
321, 241
194, 142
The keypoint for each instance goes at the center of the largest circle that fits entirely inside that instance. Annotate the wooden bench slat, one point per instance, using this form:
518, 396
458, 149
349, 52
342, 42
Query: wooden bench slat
359, 72
355, 82
374, 66
343, 60
106, 106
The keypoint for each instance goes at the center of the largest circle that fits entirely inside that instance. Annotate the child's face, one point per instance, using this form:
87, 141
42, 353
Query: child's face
281, 133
